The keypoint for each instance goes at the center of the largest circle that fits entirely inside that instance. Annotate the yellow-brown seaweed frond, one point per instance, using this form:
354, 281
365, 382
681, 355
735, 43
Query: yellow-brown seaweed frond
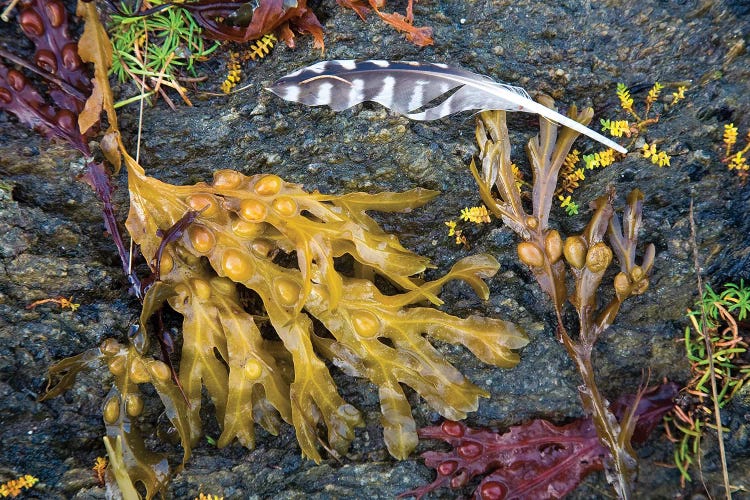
243, 226
552, 258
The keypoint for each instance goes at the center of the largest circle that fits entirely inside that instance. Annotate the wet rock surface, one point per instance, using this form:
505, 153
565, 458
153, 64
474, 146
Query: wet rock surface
52, 240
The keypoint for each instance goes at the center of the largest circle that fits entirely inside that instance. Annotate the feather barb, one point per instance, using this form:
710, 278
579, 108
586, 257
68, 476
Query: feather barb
408, 86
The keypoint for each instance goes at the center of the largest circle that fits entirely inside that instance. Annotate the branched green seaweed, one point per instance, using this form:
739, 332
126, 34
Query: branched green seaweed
587, 257
715, 336
152, 50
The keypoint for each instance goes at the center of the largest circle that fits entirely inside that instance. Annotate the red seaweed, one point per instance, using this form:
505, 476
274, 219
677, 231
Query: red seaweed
55, 60
538, 459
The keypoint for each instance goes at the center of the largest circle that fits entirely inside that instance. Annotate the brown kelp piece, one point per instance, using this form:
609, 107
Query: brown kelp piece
94, 47
246, 380
420, 36
132, 461
244, 22
241, 21
244, 224
587, 256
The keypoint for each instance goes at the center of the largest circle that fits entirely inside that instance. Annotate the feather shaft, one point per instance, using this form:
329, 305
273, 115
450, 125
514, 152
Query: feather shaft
407, 86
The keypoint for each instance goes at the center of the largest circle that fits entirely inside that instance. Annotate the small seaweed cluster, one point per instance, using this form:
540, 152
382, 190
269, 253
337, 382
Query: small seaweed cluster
242, 22
15, 487
52, 109
639, 122
475, 215
720, 319
153, 50
634, 126
100, 470
257, 50
203, 496
736, 160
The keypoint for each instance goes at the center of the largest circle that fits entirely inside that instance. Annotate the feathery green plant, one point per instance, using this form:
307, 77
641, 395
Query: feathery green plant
154, 49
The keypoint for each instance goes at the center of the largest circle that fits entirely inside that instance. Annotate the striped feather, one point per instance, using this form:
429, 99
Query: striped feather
406, 86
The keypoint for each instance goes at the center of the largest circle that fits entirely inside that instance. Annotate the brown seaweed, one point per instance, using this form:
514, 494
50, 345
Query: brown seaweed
585, 257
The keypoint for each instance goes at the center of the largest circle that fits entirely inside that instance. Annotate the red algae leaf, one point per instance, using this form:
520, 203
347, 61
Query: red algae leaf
56, 61
536, 460
420, 36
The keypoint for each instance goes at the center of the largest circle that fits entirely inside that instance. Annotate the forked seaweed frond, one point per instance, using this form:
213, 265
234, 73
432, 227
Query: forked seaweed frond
212, 242
243, 223
586, 257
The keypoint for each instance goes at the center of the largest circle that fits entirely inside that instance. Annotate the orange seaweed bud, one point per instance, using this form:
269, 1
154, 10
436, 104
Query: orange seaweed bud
15, 79
287, 290
253, 210
598, 257
201, 238
530, 254
553, 246
262, 248
493, 489
268, 185
46, 60
138, 372
133, 405
285, 206
31, 23
204, 203
202, 288
365, 323
159, 371
166, 264
247, 230
111, 410
622, 286
55, 13
453, 429
532, 222
227, 179
253, 369
66, 120
70, 57
236, 265
575, 251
